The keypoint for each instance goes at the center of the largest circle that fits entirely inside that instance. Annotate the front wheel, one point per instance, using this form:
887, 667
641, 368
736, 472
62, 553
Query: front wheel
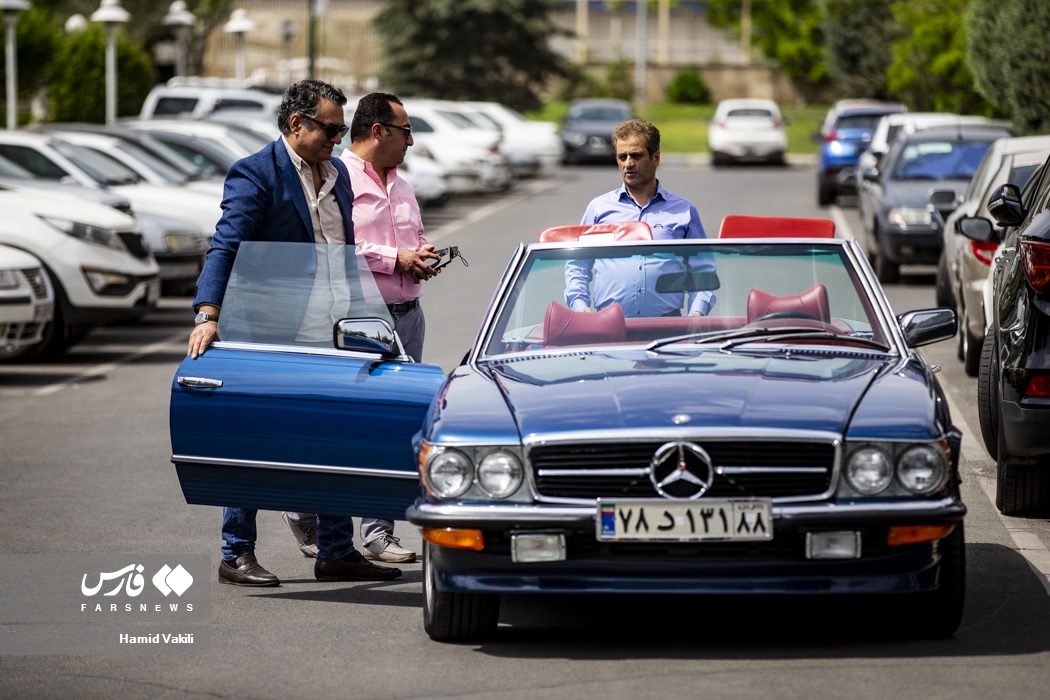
1020, 489
937, 614
455, 617
988, 394
825, 195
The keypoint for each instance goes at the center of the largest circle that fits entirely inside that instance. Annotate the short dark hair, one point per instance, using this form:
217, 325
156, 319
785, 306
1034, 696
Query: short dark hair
638, 127
304, 98
374, 108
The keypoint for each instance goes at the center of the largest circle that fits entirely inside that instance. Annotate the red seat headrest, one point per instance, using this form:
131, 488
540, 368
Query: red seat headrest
562, 326
813, 301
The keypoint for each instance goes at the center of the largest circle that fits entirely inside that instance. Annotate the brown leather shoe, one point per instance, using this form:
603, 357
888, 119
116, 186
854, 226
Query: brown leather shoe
245, 571
352, 567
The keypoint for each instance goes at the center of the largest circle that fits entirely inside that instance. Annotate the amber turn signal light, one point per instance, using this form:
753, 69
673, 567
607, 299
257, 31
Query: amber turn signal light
914, 534
452, 537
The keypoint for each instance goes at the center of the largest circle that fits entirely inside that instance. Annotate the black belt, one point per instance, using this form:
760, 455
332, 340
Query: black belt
402, 307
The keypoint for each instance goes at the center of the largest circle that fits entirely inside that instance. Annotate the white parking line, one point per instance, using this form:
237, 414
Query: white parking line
178, 339
1024, 538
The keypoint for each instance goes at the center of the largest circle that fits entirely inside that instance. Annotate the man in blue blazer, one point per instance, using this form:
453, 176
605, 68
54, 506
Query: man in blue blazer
291, 190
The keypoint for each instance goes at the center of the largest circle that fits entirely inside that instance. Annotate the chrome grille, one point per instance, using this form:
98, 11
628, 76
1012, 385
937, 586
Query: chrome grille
755, 468
35, 277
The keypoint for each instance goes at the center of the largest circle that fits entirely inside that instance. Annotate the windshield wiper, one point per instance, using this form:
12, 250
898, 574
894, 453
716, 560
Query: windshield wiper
742, 335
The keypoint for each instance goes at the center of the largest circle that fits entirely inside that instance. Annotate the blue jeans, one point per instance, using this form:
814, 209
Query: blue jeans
335, 534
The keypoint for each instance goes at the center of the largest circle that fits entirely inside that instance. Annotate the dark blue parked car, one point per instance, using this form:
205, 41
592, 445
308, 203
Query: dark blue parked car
790, 441
843, 137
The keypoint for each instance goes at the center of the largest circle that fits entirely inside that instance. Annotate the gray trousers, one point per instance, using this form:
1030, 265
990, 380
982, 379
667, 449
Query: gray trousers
411, 326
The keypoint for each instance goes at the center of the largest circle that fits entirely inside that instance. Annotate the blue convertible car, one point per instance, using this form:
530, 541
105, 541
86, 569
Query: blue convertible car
789, 441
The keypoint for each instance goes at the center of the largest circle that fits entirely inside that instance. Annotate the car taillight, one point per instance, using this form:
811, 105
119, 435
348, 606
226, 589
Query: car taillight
983, 250
1038, 387
721, 123
831, 136
1035, 256
777, 123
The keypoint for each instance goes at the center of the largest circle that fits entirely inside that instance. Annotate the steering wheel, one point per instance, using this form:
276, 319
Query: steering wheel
788, 314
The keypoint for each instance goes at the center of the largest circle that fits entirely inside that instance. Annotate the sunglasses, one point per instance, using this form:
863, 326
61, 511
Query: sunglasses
330, 130
406, 129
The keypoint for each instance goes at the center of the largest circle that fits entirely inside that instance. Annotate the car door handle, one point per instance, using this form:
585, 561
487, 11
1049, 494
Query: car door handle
198, 382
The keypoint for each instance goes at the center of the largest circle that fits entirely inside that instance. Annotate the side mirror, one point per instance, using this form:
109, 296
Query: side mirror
928, 326
976, 228
368, 335
1005, 206
870, 174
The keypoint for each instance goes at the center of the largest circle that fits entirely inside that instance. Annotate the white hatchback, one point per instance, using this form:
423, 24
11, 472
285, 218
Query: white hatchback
747, 130
27, 301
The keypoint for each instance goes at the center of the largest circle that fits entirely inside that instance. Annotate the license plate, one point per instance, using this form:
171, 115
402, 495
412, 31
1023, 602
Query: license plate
685, 521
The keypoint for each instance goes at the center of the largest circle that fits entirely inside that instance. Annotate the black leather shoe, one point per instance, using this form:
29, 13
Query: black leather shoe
352, 567
245, 571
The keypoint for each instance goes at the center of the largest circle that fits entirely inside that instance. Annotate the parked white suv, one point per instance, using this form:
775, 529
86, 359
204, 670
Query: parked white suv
95, 258
199, 101
27, 302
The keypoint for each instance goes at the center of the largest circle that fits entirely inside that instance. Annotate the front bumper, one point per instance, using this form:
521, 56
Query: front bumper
911, 246
777, 566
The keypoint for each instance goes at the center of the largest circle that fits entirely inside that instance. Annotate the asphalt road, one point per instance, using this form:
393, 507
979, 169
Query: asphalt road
85, 472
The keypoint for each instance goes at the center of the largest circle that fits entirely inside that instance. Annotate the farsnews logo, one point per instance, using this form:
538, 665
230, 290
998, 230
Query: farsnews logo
131, 581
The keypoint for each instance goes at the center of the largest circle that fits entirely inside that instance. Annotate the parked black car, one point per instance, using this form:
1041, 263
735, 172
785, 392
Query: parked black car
901, 227
587, 129
1013, 381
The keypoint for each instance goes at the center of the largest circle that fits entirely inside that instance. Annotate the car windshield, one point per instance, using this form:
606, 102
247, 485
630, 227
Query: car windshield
939, 160
763, 291
866, 122
751, 112
102, 168
599, 113
293, 294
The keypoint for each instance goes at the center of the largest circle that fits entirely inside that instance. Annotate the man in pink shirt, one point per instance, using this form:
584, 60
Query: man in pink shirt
388, 231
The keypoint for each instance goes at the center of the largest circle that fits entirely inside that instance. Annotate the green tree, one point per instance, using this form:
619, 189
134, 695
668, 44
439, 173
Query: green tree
77, 85
1008, 55
36, 42
470, 49
789, 32
858, 35
929, 71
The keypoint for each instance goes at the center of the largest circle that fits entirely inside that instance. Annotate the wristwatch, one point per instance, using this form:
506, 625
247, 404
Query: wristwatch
204, 318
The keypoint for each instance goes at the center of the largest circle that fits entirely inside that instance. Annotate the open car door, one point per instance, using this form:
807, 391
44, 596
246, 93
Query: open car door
308, 403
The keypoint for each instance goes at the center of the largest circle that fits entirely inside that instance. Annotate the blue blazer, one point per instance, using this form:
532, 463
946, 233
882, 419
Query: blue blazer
263, 200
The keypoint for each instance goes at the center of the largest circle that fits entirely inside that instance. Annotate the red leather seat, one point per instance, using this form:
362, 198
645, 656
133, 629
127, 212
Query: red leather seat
598, 233
740, 226
813, 301
562, 326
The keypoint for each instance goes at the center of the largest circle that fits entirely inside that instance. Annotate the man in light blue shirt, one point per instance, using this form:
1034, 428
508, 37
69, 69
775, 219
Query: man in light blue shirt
632, 281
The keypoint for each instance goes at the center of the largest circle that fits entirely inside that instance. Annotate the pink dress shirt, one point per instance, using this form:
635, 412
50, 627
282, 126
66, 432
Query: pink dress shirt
385, 219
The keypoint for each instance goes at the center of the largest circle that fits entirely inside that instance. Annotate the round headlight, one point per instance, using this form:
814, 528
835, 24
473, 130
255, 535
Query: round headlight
448, 474
921, 469
869, 471
499, 474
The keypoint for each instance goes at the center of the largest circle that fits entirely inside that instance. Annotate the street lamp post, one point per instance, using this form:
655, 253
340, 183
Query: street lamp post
288, 32
111, 15
239, 25
11, 8
182, 20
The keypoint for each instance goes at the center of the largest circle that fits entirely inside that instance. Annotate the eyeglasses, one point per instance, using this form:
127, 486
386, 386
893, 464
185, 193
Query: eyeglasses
330, 130
406, 129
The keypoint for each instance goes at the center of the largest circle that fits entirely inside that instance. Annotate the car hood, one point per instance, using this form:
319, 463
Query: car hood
916, 193
590, 127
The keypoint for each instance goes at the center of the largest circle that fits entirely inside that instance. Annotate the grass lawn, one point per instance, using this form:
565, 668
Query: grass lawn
683, 128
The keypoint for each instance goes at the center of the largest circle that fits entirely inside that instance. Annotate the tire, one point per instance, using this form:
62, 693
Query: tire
943, 284
971, 349
456, 617
887, 272
988, 394
1020, 489
937, 614
825, 195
